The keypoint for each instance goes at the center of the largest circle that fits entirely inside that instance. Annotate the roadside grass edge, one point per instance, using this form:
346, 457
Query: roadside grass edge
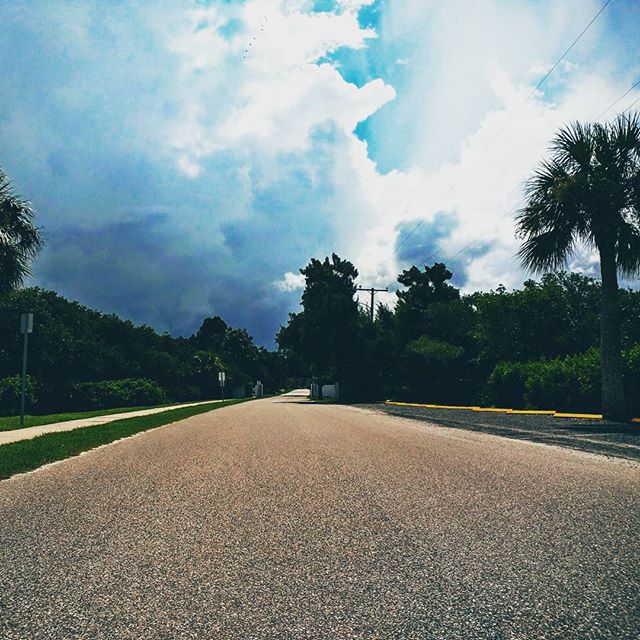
27, 455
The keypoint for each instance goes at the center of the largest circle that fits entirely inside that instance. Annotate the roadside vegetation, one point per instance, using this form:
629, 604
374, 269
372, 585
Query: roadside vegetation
80, 359
536, 347
25, 455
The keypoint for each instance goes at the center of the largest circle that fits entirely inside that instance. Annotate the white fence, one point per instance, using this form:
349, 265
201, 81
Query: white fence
331, 391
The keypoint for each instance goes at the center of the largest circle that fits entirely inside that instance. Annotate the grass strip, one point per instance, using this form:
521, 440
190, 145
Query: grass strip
25, 455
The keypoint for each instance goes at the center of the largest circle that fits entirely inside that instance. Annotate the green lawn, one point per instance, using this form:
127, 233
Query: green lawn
17, 457
13, 422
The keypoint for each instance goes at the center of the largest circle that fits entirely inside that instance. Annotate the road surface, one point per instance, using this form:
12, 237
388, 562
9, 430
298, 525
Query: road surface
283, 519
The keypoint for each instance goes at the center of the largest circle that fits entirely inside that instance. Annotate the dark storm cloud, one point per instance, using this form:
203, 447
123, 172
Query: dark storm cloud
430, 242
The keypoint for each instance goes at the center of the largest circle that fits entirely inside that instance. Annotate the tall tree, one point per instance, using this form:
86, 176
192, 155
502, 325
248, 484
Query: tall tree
326, 336
588, 192
20, 240
424, 291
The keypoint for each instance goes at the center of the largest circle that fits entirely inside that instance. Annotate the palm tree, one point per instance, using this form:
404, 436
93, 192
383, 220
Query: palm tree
588, 194
20, 240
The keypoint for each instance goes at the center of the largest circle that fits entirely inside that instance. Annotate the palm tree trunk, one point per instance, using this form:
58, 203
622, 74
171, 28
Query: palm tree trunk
613, 405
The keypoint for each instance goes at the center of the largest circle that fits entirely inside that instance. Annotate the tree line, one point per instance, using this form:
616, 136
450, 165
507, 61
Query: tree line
80, 358
534, 347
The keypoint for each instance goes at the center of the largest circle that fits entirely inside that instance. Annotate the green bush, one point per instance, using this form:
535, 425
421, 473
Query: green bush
10, 392
564, 384
107, 394
632, 379
433, 371
571, 383
506, 385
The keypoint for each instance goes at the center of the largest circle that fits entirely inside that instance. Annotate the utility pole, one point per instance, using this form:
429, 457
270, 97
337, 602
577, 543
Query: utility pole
372, 291
26, 327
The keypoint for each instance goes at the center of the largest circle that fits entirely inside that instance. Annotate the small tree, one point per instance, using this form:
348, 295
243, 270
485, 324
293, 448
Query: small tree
589, 192
20, 240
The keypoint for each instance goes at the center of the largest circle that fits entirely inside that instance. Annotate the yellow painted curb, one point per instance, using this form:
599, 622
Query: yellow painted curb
446, 406
431, 406
522, 412
532, 412
590, 416
408, 404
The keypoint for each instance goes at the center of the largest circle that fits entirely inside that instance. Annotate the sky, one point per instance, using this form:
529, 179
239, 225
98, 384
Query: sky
187, 158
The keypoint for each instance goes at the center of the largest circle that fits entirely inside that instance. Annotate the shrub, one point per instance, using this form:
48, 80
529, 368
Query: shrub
10, 392
107, 394
565, 384
569, 383
632, 379
506, 385
432, 371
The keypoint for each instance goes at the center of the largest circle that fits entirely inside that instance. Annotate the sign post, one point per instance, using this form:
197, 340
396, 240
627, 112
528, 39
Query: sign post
221, 379
26, 327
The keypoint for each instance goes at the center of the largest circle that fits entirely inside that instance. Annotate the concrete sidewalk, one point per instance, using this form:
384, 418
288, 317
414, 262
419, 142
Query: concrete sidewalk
32, 432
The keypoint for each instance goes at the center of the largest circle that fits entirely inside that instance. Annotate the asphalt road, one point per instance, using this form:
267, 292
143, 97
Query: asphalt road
282, 519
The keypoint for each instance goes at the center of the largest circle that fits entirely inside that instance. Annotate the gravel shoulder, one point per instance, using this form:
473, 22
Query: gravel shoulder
284, 519
593, 436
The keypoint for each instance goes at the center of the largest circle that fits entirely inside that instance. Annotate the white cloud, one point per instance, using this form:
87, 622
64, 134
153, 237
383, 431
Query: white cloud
264, 87
354, 5
291, 282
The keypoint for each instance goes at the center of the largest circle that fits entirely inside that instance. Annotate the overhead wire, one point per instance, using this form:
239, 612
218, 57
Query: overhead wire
622, 97
630, 106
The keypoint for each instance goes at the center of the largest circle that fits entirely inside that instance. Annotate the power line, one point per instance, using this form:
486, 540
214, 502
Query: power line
455, 255
470, 244
421, 221
624, 95
631, 105
553, 68
372, 291
473, 241
573, 44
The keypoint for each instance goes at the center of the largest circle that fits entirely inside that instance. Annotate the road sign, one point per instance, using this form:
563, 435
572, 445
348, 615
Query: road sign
221, 379
26, 323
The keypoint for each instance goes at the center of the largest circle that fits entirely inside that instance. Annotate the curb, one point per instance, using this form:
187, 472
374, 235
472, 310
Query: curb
520, 412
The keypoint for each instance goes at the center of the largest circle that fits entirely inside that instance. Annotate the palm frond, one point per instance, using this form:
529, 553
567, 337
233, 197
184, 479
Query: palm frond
572, 148
20, 239
554, 199
628, 248
548, 250
625, 131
